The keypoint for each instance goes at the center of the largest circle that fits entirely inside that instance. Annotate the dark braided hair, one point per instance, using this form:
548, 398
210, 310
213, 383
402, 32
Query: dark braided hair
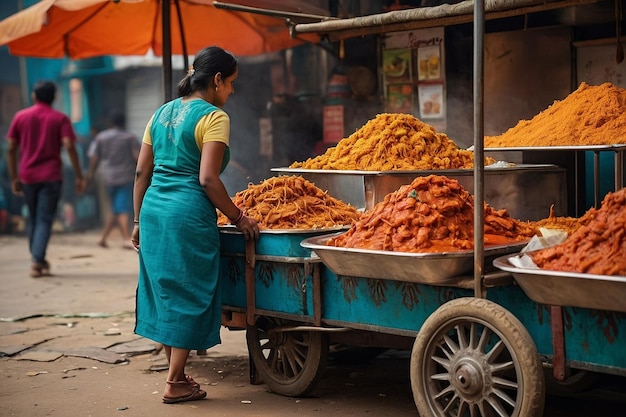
208, 62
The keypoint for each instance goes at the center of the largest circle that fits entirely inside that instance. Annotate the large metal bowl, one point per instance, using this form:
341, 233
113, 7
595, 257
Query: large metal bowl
444, 268
601, 292
272, 242
526, 191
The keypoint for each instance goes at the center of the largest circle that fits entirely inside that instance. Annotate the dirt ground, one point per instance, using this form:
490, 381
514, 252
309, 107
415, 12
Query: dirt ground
68, 350
36, 385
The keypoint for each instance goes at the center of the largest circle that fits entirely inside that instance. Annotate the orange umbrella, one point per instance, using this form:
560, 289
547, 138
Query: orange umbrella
87, 28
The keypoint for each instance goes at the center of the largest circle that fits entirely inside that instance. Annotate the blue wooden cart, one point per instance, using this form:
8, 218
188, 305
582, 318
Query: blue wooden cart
480, 344
470, 356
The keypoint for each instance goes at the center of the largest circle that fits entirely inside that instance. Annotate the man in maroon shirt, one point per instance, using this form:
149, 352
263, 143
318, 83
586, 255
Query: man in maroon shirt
38, 134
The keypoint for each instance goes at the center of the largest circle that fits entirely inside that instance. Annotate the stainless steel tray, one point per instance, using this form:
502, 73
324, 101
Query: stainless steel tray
601, 292
283, 243
527, 191
230, 229
417, 173
445, 268
616, 148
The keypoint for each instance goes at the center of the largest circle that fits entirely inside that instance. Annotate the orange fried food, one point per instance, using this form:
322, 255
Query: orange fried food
432, 214
292, 202
596, 247
393, 142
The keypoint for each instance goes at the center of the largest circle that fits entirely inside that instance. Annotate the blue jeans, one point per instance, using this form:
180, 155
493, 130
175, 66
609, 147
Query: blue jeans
42, 200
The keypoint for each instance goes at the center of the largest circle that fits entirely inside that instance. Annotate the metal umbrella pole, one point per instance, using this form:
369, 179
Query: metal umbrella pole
479, 159
166, 27
167, 50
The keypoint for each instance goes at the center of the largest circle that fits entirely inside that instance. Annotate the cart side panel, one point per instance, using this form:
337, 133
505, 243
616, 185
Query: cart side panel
596, 336
593, 339
279, 287
383, 305
282, 274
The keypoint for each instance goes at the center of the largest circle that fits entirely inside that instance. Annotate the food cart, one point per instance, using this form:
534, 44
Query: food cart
297, 297
482, 332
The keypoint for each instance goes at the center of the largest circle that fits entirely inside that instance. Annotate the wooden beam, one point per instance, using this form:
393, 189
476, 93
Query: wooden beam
426, 17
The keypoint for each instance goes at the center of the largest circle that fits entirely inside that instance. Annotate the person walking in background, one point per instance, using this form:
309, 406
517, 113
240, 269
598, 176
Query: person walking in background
177, 191
38, 134
115, 151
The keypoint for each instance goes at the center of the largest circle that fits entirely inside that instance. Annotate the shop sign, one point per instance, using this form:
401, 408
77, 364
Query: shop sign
333, 123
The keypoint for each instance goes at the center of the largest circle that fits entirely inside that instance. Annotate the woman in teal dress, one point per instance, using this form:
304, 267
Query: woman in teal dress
177, 191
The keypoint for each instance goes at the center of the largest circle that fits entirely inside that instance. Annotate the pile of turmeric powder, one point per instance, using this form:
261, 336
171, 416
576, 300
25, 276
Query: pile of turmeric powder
596, 247
292, 202
591, 115
393, 141
432, 214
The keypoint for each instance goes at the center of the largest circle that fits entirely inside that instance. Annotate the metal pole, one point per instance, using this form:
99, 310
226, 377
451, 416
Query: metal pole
183, 40
479, 159
596, 179
167, 50
619, 170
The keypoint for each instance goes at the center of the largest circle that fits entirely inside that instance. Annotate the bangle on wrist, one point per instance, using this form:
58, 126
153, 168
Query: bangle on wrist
239, 218
135, 221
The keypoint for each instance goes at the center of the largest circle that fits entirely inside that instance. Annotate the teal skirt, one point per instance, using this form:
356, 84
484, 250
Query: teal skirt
178, 299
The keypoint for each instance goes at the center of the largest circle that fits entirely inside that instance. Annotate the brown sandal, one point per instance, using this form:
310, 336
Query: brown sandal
191, 380
196, 393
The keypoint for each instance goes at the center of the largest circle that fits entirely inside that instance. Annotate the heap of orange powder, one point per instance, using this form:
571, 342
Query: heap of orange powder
591, 115
393, 141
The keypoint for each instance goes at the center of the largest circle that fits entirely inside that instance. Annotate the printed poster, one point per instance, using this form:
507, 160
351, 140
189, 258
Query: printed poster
400, 98
397, 65
429, 63
431, 105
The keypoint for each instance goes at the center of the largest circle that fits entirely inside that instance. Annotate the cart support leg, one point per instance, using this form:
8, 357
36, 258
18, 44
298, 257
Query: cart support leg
317, 296
250, 296
251, 303
558, 343
253, 373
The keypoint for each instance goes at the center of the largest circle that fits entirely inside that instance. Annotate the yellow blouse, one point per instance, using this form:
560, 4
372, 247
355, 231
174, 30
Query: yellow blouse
215, 126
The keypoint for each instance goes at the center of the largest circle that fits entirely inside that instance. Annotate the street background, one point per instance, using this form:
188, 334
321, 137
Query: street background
68, 349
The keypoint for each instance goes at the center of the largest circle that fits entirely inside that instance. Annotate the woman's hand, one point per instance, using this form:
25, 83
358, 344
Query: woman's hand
135, 236
249, 227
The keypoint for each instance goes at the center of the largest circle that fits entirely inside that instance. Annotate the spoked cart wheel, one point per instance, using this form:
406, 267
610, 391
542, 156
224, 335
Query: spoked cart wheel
289, 362
473, 358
